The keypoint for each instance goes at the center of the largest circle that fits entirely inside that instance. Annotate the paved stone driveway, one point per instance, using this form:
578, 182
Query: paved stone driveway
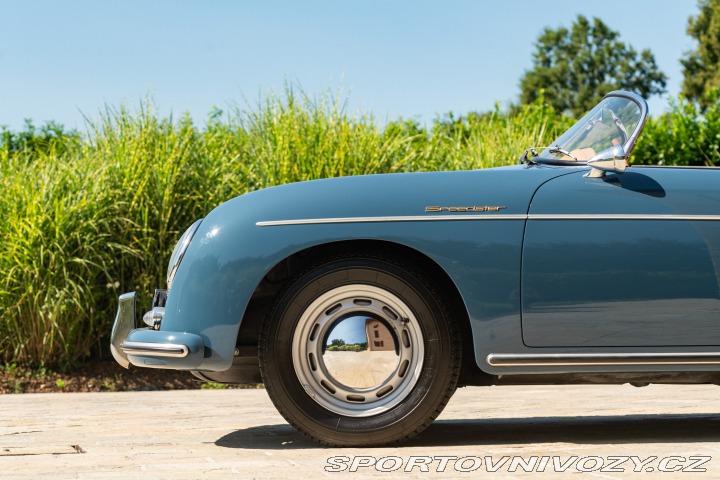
224, 433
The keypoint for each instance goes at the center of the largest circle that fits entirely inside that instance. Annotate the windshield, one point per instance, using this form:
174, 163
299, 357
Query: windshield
611, 122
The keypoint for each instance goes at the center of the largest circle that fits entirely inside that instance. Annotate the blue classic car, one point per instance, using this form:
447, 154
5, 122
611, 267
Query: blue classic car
362, 303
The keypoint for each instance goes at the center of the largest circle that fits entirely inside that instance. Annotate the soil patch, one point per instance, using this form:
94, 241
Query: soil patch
102, 376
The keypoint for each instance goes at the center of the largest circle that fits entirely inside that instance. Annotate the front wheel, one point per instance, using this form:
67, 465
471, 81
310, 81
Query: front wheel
359, 351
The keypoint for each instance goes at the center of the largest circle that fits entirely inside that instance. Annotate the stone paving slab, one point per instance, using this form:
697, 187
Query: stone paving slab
226, 433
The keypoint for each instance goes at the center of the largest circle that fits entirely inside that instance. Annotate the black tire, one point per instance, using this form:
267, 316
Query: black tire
425, 342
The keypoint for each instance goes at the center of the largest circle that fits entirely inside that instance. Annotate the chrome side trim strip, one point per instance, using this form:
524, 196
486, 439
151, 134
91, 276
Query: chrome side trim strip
623, 216
595, 359
155, 349
424, 218
428, 218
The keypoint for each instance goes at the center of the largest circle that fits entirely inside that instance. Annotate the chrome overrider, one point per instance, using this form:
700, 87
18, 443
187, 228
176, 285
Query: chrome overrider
151, 346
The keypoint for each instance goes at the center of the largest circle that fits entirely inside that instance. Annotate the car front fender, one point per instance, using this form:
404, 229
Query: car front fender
240, 241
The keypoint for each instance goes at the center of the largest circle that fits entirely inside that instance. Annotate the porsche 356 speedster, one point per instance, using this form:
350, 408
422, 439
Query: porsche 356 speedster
363, 302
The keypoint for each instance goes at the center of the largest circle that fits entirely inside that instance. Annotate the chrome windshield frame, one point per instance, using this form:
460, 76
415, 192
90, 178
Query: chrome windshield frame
640, 101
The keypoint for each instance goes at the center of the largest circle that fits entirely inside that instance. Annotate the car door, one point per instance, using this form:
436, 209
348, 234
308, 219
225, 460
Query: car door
628, 259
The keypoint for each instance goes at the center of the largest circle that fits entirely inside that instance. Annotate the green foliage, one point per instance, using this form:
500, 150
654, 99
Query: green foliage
56, 249
577, 67
682, 136
98, 214
8, 368
491, 139
701, 67
213, 386
352, 347
48, 139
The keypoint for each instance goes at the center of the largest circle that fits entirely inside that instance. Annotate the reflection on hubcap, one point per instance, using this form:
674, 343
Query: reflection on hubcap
358, 350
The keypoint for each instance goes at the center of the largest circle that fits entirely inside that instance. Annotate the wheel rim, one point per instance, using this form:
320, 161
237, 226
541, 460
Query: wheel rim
337, 370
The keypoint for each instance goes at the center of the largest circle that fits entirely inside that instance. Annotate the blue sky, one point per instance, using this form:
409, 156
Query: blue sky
412, 59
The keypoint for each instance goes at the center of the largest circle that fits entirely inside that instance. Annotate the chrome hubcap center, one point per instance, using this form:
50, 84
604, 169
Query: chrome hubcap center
358, 350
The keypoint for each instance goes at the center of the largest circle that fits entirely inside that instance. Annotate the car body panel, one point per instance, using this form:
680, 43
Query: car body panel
600, 281
482, 253
230, 253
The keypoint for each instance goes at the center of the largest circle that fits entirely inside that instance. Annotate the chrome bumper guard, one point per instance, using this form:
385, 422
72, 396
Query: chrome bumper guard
151, 347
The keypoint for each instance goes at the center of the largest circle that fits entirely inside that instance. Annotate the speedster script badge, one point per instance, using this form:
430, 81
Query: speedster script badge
484, 208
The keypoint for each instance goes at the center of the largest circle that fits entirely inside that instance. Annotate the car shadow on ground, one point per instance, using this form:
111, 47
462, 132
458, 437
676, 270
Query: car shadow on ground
620, 429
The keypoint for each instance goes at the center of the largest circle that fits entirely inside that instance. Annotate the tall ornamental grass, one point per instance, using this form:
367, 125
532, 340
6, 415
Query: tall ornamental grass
88, 216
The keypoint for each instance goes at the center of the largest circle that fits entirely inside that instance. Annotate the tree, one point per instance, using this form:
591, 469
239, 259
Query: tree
576, 68
701, 67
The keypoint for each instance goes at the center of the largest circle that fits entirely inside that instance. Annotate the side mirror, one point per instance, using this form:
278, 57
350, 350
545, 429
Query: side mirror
612, 160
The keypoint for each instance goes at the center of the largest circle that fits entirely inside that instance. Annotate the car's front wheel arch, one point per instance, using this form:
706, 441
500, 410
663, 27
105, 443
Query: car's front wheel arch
287, 268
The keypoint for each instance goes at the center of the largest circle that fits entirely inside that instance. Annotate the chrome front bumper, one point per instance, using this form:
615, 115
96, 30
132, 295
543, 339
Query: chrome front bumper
151, 347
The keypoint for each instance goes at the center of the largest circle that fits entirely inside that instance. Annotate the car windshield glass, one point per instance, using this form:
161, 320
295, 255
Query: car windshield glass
611, 122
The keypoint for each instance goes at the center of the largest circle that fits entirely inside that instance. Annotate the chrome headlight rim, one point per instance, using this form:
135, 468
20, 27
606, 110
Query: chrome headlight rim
179, 251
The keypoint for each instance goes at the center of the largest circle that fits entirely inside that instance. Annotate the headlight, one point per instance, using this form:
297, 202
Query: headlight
179, 251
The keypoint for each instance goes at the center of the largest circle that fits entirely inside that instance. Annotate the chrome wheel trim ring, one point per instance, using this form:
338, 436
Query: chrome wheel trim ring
309, 341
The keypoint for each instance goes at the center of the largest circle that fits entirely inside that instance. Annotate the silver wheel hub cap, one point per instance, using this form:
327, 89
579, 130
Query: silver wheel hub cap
358, 350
